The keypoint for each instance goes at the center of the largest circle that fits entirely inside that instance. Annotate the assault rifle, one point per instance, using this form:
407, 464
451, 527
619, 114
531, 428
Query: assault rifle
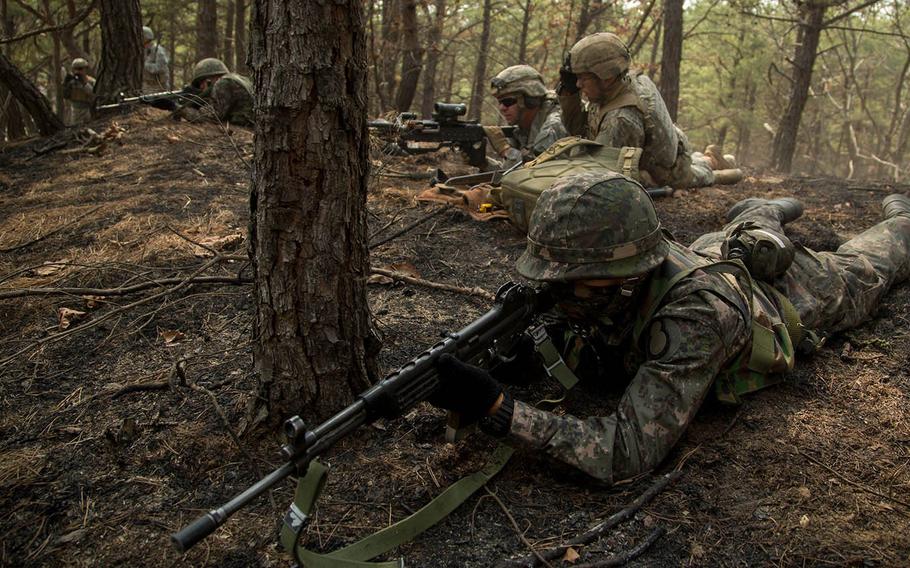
487, 341
166, 100
443, 129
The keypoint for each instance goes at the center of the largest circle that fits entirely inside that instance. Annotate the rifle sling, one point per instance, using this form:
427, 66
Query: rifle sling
358, 554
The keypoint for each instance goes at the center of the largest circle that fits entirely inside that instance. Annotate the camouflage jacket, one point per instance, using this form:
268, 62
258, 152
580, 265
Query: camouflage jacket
81, 93
699, 329
156, 71
546, 128
230, 100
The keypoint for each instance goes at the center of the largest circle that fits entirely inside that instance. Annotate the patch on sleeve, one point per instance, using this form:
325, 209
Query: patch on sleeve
663, 339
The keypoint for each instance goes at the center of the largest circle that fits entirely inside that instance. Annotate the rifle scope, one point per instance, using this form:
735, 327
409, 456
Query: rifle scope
450, 110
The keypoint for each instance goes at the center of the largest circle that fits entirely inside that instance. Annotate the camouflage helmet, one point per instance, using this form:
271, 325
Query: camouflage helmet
603, 54
522, 79
591, 226
147, 33
209, 67
79, 63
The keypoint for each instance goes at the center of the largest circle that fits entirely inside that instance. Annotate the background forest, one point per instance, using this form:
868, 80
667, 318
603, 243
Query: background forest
740, 75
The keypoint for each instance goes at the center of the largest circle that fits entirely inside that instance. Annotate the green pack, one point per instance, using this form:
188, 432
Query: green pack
521, 187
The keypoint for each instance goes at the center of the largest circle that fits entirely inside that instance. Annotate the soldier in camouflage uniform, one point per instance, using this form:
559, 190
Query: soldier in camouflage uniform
228, 97
79, 89
156, 75
524, 102
626, 109
683, 323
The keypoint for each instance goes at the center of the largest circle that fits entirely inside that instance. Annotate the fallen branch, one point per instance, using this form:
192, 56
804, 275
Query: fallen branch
123, 291
55, 231
624, 558
853, 483
410, 227
599, 530
475, 291
516, 527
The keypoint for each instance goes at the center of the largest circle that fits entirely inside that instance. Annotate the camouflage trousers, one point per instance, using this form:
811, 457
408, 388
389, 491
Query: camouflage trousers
81, 113
833, 291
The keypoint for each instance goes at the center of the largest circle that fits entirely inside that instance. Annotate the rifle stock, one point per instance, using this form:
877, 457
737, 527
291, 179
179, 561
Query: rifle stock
165, 100
482, 342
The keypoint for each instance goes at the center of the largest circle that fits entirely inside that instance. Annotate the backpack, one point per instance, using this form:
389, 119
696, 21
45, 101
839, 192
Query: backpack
521, 187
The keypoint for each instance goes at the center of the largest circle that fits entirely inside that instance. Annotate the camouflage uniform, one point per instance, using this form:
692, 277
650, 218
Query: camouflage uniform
696, 335
632, 113
546, 129
80, 91
156, 75
229, 99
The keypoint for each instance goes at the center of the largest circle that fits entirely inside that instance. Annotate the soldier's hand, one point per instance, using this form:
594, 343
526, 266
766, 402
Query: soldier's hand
567, 80
463, 388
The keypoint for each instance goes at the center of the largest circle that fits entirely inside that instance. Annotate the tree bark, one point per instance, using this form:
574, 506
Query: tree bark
228, 44
30, 97
391, 36
206, 29
240, 36
412, 57
672, 55
120, 69
480, 70
526, 12
15, 126
811, 17
308, 233
434, 53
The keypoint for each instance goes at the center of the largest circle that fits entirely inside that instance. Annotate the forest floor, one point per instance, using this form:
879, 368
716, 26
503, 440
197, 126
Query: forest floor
106, 449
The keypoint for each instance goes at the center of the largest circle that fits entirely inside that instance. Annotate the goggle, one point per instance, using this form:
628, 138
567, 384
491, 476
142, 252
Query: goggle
507, 101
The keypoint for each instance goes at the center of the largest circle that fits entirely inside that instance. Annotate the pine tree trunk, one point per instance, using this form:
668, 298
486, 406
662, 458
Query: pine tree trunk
240, 36
526, 12
228, 44
480, 70
391, 36
30, 97
412, 57
811, 18
672, 55
206, 29
15, 126
120, 69
434, 53
308, 233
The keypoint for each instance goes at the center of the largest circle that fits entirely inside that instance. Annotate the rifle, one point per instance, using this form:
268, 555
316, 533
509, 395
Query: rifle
487, 341
443, 129
166, 100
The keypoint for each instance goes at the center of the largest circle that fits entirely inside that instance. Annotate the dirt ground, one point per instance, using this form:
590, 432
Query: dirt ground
106, 449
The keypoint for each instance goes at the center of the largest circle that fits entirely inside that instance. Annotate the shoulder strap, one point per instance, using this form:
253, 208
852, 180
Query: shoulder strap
560, 147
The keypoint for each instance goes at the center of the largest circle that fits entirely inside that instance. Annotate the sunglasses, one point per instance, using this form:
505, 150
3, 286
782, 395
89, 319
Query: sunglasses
508, 101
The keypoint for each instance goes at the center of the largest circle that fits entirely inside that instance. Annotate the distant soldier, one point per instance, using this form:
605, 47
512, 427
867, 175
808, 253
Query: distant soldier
524, 102
156, 76
626, 109
228, 97
79, 89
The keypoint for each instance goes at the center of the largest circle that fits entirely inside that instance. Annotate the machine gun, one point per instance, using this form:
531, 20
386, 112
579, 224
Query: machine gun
443, 129
487, 341
166, 100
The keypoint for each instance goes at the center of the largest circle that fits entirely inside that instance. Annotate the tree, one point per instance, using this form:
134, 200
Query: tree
120, 69
411, 57
480, 69
434, 53
206, 29
29, 97
672, 55
240, 36
308, 205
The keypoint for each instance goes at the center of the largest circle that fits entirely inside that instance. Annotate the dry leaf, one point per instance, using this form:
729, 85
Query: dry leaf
379, 279
405, 268
93, 301
171, 335
697, 550
570, 555
222, 243
67, 316
172, 139
50, 267
804, 521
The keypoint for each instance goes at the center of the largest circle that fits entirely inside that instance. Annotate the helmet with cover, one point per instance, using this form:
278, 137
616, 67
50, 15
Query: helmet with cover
602, 54
590, 226
208, 67
79, 64
147, 33
518, 79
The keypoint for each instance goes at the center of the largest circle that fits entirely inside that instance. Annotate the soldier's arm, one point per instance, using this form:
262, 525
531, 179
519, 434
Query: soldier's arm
221, 99
551, 131
574, 117
687, 345
622, 128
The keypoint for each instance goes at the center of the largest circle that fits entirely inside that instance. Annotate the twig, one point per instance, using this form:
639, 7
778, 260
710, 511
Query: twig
475, 291
516, 527
603, 527
124, 291
853, 483
411, 226
55, 231
624, 558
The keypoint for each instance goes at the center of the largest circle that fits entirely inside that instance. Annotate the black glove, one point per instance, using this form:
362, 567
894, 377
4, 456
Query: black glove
463, 388
567, 79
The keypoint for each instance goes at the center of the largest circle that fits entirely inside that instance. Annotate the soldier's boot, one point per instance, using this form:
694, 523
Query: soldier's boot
894, 205
790, 208
728, 176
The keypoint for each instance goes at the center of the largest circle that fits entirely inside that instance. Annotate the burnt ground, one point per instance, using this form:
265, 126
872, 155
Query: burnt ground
104, 451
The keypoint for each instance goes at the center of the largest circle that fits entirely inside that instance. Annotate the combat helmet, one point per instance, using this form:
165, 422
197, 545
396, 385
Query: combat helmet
79, 63
522, 79
590, 226
207, 68
147, 33
603, 54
